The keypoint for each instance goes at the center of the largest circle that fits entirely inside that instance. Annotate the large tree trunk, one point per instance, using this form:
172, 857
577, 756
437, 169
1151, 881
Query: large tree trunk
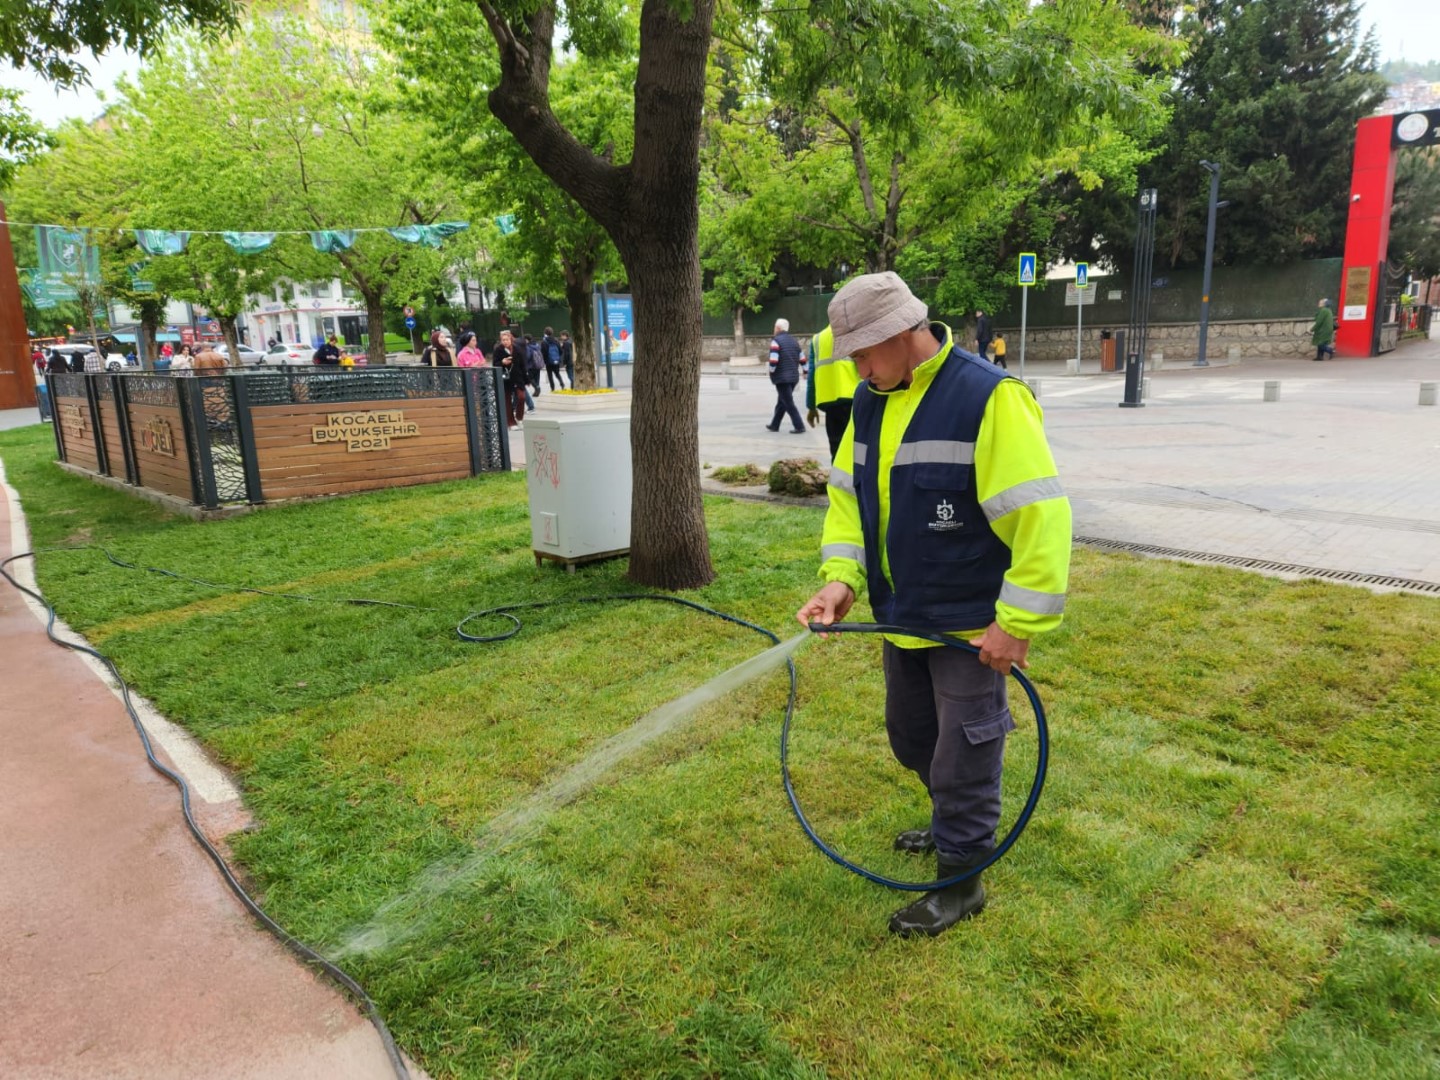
739, 328
649, 209
232, 338
579, 298
658, 239
145, 339
374, 325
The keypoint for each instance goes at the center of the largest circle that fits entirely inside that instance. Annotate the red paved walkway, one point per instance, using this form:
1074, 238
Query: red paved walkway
121, 952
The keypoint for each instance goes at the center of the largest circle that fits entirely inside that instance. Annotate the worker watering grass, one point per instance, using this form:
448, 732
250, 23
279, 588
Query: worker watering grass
945, 503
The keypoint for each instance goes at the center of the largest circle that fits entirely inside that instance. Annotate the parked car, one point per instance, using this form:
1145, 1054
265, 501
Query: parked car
289, 352
76, 351
248, 357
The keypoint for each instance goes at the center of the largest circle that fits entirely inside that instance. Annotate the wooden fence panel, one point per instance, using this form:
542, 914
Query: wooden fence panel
78, 430
110, 431
329, 448
162, 456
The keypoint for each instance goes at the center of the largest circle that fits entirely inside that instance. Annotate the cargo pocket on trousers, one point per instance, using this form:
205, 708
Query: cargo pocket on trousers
986, 728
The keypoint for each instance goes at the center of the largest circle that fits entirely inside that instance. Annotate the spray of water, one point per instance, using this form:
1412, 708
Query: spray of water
403, 916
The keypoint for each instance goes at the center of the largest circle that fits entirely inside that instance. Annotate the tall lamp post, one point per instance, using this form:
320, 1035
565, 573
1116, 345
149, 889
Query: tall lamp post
1214, 171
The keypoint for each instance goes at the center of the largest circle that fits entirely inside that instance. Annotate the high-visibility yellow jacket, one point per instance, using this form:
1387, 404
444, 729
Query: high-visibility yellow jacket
1015, 483
831, 379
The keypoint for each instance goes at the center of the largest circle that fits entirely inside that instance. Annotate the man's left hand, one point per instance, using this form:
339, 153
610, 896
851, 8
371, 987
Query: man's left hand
1000, 650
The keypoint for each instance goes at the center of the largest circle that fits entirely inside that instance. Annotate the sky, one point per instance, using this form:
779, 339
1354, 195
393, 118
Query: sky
1406, 30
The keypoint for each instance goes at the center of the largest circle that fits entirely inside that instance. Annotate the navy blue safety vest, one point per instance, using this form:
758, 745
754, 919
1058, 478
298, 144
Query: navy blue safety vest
946, 563
788, 369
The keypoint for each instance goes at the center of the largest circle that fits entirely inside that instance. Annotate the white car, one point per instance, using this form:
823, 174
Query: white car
289, 352
76, 351
248, 357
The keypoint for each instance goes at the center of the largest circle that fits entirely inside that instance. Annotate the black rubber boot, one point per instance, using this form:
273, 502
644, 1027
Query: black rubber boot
915, 842
940, 909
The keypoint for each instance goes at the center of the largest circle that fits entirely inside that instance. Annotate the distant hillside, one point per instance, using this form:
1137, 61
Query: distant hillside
1400, 71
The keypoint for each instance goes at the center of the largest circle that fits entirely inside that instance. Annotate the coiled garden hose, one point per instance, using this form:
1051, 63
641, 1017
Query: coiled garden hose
1042, 733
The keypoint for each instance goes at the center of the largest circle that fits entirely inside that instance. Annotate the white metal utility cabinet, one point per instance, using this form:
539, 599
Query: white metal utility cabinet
577, 471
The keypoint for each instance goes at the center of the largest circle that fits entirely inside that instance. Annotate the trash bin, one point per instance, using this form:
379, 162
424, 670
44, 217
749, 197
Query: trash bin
1107, 351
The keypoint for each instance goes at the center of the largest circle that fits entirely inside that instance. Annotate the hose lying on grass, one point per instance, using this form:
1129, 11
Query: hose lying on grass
310, 956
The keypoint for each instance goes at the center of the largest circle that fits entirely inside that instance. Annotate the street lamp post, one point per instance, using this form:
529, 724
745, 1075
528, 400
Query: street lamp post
1214, 171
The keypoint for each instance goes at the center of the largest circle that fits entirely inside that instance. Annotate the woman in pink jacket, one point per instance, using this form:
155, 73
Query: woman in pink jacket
469, 355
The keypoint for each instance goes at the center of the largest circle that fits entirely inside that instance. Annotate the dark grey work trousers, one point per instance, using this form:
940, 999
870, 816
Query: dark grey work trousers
947, 716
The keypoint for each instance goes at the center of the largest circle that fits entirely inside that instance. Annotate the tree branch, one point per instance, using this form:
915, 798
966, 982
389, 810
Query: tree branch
521, 101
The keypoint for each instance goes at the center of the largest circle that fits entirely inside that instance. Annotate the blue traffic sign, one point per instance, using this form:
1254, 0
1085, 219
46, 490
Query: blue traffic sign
410, 323
1082, 275
1027, 268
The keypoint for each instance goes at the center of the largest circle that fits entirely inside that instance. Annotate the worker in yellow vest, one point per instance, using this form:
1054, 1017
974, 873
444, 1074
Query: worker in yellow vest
832, 388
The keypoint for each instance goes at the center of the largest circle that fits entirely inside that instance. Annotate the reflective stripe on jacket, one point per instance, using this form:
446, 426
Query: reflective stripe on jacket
1011, 479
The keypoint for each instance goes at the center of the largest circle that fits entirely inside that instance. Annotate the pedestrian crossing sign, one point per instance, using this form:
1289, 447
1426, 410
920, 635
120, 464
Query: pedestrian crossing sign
1027, 268
1082, 275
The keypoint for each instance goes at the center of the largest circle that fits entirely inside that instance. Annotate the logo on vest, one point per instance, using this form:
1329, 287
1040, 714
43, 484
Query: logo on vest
944, 518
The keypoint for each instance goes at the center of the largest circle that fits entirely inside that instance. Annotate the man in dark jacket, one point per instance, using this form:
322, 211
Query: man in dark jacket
554, 358
787, 361
327, 355
567, 354
983, 334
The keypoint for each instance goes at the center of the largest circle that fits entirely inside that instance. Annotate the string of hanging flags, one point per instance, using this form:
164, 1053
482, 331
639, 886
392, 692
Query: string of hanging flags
157, 242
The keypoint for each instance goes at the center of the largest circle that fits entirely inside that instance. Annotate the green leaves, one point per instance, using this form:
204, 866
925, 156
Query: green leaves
47, 36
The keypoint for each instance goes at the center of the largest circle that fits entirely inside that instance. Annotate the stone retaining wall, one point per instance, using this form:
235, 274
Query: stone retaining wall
1177, 341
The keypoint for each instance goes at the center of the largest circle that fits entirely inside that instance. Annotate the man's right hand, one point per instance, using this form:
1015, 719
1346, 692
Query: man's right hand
813, 416
827, 606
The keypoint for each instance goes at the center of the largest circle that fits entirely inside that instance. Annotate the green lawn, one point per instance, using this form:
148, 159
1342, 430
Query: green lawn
1235, 869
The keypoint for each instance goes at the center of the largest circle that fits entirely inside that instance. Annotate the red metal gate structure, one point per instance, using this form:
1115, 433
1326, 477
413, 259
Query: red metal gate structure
17, 375
1359, 308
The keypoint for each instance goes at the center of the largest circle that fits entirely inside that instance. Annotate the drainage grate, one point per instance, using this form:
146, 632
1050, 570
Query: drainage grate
1241, 562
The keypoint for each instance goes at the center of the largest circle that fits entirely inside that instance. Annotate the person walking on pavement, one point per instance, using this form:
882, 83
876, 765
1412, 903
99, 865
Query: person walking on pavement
1322, 330
982, 334
830, 389
945, 504
567, 356
787, 361
554, 358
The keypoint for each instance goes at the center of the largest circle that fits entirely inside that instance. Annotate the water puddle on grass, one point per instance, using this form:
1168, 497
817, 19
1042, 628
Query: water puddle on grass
403, 916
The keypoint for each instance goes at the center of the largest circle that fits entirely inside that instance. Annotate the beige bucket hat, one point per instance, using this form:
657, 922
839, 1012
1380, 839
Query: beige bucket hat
870, 309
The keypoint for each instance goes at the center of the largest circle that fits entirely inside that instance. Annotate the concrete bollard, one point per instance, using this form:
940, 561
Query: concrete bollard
1157, 360
1233, 352
1427, 393
1034, 385
734, 383
1072, 366
1272, 389
1144, 389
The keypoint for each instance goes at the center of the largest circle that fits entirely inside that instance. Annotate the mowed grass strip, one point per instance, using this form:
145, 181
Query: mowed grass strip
1233, 871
